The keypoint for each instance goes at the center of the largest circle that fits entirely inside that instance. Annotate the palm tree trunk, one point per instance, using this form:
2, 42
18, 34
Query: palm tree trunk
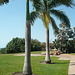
47, 58
27, 64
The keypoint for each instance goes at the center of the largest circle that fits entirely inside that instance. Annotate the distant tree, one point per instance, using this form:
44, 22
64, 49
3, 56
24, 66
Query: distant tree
65, 39
43, 46
16, 45
3, 51
35, 45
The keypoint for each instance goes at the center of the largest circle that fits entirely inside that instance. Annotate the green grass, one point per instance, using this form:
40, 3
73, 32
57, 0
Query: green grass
38, 52
72, 53
10, 64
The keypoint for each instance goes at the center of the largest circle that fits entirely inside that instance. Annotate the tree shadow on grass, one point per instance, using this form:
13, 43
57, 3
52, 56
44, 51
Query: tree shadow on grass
20, 73
55, 63
61, 63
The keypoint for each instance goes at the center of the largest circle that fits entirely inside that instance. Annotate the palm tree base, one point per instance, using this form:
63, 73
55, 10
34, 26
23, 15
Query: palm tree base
48, 62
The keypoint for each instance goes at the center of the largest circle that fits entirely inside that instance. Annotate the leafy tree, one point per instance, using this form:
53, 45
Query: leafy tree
43, 46
16, 45
65, 40
3, 51
35, 45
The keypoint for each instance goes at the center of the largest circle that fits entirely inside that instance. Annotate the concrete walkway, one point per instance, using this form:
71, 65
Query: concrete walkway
71, 70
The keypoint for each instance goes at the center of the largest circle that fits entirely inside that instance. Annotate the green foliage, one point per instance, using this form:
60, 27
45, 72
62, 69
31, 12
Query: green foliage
44, 9
61, 16
65, 46
3, 51
10, 64
35, 45
16, 45
55, 3
3, 2
63, 41
33, 16
43, 46
55, 28
71, 46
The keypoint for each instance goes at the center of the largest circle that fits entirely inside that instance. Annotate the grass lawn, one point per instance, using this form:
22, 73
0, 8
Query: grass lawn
72, 53
10, 64
39, 52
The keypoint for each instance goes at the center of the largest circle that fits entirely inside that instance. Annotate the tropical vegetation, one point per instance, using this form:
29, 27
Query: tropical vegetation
65, 39
44, 12
47, 4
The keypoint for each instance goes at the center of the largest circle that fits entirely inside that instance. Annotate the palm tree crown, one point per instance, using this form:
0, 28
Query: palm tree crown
3, 2
45, 9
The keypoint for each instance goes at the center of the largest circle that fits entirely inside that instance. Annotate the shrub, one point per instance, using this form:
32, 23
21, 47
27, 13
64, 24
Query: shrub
16, 45
3, 51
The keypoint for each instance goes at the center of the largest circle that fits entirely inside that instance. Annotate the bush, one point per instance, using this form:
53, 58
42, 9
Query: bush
66, 46
71, 46
35, 45
16, 45
3, 51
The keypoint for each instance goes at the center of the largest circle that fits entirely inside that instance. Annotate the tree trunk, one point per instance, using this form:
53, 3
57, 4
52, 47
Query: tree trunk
27, 63
47, 58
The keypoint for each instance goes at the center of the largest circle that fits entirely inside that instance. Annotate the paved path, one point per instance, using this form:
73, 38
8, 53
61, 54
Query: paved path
71, 70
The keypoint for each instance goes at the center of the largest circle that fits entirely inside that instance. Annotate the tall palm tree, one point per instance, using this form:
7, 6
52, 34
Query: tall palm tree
27, 64
46, 8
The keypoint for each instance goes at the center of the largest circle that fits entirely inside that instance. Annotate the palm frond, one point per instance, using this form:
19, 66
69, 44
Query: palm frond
37, 4
33, 16
3, 2
55, 3
54, 26
62, 16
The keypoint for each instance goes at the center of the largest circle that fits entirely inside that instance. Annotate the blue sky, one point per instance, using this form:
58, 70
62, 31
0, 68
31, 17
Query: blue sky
13, 18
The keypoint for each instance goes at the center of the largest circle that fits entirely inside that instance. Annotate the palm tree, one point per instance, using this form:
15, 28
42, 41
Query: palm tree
27, 64
46, 8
